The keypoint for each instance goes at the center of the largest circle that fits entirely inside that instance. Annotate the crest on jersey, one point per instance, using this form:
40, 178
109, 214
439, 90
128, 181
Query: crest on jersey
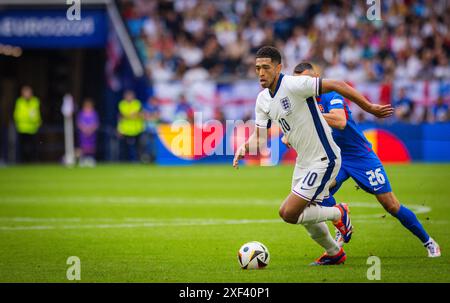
286, 105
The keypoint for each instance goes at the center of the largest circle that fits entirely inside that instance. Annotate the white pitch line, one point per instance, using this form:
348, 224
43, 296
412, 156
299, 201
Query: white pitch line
133, 220
178, 222
154, 222
149, 222
137, 200
418, 209
135, 225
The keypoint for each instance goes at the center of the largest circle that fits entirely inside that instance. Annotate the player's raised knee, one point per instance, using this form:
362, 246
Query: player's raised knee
290, 219
288, 216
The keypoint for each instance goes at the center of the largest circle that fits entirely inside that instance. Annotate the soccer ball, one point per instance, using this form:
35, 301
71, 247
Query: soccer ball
253, 255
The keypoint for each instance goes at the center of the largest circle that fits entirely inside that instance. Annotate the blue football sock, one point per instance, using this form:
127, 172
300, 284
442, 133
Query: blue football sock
410, 221
328, 202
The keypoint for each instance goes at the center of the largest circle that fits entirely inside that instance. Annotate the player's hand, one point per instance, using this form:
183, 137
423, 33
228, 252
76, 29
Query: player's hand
285, 141
382, 111
238, 156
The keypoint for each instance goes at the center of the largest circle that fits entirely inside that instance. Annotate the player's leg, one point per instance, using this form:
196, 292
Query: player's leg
312, 185
335, 186
298, 210
320, 233
370, 175
331, 201
391, 204
409, 220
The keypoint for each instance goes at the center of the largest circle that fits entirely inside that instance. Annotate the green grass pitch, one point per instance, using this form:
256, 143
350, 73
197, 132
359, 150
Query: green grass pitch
136, 223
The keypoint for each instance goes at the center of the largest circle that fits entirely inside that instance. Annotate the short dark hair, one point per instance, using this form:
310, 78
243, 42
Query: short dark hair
301, 67
269, 52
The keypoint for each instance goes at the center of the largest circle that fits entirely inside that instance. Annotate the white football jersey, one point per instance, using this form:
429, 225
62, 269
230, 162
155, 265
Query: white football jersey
293, 106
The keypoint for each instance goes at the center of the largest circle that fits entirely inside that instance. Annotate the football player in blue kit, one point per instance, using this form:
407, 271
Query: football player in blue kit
361, 163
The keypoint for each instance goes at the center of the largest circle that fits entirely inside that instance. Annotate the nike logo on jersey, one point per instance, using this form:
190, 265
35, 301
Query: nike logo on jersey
378, 188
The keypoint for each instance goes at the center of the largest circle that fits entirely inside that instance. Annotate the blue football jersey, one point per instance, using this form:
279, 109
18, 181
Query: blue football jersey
351, 140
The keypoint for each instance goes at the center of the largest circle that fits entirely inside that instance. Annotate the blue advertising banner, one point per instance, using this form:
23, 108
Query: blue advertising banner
394, 143
427, 142
51, 29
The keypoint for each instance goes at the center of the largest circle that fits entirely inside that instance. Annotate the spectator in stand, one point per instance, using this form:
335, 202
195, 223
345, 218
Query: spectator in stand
189, 52
87, 124
442, 70
440, 111
352, 52
195, 74
184, 110
404, 106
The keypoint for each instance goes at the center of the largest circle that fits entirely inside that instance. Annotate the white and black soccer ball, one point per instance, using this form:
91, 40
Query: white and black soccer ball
253, 255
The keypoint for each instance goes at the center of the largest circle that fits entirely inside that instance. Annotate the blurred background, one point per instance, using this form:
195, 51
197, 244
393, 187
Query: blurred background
106, 87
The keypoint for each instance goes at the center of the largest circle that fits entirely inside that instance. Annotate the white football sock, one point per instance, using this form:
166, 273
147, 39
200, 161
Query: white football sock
315, 214
320, 233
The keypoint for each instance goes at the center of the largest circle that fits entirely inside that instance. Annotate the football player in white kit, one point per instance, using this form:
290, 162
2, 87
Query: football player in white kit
289, 100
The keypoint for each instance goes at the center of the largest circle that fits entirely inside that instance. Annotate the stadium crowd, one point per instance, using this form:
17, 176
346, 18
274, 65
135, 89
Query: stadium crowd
198, 39
194, 40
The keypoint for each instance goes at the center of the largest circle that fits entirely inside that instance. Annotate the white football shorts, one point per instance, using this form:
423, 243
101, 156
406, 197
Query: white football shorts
313, 183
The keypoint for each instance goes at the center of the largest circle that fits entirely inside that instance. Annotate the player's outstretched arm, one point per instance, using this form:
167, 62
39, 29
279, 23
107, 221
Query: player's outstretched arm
254, 143
380, 111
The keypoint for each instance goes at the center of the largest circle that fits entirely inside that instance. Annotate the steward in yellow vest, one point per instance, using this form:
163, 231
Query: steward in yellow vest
130, 126
131, 122
27, 119
27, 114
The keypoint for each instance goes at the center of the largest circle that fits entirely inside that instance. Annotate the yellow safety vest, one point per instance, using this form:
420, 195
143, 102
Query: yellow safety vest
129, 125
27, 115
